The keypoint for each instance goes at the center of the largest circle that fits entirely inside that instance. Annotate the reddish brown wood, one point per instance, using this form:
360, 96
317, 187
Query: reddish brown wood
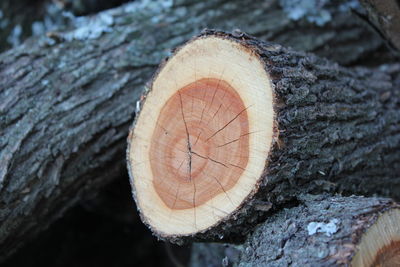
196, 144
388, 256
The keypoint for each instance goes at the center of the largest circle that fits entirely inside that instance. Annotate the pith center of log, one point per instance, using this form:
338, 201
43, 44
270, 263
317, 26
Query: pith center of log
203, 137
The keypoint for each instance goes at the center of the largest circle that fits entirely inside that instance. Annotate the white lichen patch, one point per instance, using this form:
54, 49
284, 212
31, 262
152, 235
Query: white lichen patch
320, 227
153, 5
55, 19
91, 27
314, 11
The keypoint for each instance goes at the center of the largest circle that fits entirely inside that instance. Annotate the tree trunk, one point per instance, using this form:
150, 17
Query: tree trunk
328, 231
230, 122
67, 98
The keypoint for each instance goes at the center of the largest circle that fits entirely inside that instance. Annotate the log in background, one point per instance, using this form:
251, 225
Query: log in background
67, 99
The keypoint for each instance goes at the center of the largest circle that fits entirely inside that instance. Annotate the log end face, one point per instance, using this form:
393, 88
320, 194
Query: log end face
202, 139
380, 244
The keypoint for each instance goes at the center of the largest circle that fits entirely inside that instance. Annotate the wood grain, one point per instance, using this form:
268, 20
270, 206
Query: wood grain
201, 146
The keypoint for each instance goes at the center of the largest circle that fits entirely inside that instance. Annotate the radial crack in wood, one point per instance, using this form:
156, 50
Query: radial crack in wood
228, 120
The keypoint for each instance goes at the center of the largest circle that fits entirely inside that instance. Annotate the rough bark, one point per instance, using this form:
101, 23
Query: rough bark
67, 99
287, 237
385, 16
336, 127
336, 130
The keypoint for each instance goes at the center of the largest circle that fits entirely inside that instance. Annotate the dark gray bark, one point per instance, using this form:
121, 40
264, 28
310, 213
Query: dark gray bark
335, 130
67, 99
285, 239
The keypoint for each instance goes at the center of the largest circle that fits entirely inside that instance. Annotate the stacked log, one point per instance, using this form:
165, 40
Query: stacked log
232, 127
319, 231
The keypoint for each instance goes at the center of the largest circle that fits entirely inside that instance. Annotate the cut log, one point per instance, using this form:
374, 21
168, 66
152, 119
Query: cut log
328, 231
231, 125
66, 100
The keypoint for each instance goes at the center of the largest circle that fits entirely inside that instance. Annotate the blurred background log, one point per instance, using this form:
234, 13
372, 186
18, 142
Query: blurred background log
214, 255
20, 19
316, 26
385, 16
